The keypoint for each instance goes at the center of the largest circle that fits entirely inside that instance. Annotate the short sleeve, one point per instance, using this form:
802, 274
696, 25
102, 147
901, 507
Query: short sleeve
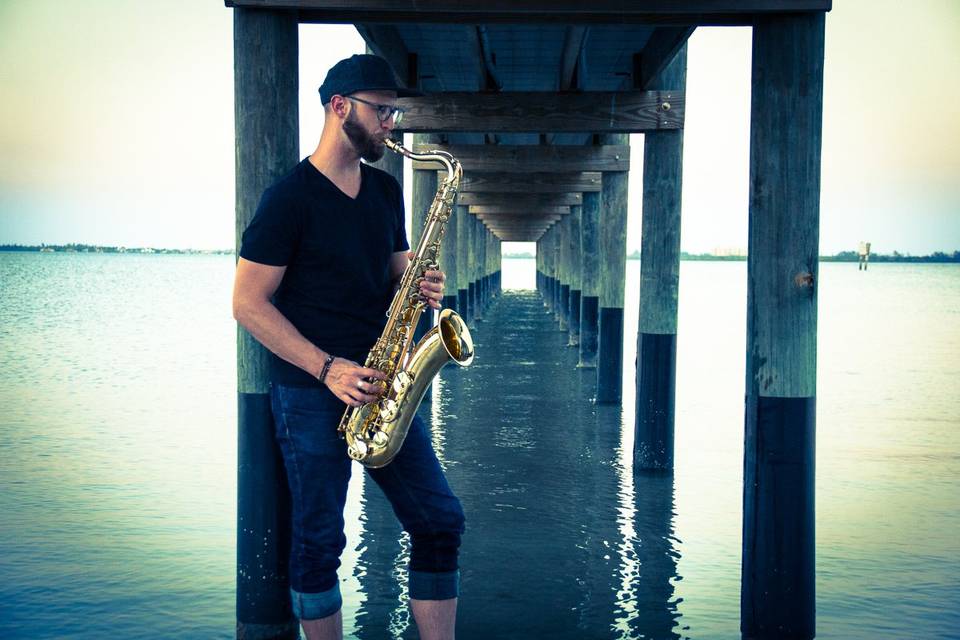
400, 237
274, 233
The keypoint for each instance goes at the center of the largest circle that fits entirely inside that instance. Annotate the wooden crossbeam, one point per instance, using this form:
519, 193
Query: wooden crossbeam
540, 111
678, 12
518, 220
530, 212
385, 41
659, 51
520, 200
531, 182
532, 157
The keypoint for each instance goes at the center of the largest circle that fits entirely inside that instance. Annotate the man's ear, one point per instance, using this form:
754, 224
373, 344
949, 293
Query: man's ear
338, 104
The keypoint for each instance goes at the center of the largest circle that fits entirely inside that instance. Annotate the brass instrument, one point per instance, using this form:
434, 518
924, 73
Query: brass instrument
375, 432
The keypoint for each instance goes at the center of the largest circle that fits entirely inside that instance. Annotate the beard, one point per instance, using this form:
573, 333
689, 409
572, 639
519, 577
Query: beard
366, 144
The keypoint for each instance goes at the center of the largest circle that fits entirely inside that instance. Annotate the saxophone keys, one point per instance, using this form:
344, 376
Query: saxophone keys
380, 439
401, 381
388, 411
357, 450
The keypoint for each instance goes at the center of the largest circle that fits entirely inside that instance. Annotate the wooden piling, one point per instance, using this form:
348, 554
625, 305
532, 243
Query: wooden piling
590, 279
267, 139
659, 285
449, 253
463, 262
576, 279
777, 591
563, 253
613, 252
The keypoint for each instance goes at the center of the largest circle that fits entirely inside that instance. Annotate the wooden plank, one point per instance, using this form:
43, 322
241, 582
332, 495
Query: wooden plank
660, 50
700, 12
385, 41
531, 182
528, 212
524, 200
531, 157
539, 111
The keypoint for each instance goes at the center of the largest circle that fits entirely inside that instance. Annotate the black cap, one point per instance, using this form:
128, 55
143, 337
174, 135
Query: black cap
361, 72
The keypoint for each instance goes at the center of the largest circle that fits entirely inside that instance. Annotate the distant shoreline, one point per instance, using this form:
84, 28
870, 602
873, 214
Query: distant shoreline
90, 248
843, 256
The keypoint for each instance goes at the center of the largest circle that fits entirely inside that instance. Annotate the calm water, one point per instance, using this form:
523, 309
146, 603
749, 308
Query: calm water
118, 448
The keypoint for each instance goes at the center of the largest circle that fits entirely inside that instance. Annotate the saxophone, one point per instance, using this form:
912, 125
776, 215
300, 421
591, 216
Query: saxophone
375, 432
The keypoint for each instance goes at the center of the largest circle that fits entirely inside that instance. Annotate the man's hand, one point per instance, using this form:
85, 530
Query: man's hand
431, 287
353, 384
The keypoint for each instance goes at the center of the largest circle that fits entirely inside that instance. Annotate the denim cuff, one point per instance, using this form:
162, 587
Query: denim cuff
434, 586
313, 606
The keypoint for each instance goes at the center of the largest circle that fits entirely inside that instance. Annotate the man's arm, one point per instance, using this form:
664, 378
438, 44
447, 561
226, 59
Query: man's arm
253, 289
431, 288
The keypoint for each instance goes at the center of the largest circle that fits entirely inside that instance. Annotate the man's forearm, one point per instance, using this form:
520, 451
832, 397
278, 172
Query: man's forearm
272, 329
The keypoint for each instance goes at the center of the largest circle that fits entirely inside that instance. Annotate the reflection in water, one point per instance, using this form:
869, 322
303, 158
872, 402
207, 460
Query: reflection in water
562, 541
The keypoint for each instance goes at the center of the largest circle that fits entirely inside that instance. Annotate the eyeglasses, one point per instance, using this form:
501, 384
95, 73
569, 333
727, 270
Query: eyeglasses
384, 111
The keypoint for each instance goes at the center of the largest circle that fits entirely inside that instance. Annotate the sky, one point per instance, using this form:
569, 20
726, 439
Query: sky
116, 125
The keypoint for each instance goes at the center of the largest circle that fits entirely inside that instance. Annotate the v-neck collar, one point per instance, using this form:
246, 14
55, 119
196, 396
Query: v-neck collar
332, 185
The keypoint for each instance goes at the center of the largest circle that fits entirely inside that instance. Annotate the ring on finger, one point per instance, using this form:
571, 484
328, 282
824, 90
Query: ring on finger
360, 385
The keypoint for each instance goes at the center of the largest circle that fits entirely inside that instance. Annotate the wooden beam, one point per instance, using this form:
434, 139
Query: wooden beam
573, 39
524, 200
700, 12
539, 111
385, 41
519, 211
532, 157
660, 50
531, 182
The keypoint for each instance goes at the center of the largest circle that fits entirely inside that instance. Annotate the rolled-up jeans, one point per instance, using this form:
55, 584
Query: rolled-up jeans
318, 471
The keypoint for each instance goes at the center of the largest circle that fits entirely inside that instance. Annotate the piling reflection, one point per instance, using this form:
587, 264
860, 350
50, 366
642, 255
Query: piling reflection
562, 540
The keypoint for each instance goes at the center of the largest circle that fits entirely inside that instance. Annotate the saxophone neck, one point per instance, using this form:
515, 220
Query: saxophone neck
454, 171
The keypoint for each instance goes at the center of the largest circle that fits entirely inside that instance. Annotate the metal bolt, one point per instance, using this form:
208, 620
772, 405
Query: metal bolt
665, 106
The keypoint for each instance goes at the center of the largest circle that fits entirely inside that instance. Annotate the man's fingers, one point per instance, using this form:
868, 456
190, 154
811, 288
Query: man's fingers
372, 373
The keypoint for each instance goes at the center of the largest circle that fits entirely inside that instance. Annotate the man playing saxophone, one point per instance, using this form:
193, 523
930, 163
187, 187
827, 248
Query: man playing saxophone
316, 273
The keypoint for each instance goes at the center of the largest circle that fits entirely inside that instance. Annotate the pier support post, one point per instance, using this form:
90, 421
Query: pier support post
563, 233
267, 138
576, 277
613, 256
448, 259
590, 279
777, 592
463, 262
659, 285
425, 182
481, 267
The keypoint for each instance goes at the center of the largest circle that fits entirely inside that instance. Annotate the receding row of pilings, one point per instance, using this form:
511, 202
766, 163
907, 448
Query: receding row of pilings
580, 273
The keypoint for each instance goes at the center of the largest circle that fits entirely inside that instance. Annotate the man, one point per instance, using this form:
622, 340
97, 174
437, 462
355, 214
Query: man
318, 266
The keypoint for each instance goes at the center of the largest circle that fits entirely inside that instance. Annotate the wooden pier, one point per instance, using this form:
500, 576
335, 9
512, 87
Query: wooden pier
537, 99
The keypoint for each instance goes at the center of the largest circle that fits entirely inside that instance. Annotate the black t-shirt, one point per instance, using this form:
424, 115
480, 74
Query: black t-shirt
336, 289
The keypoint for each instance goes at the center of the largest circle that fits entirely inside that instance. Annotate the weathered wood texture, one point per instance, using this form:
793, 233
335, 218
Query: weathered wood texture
528, 158
531, 182
522, 200
778, 574
661, 49
590, 244
519, 212
518, 112
785, 142
667, 12
613, 234
267, 133
266, 121
463, 246
660, 248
